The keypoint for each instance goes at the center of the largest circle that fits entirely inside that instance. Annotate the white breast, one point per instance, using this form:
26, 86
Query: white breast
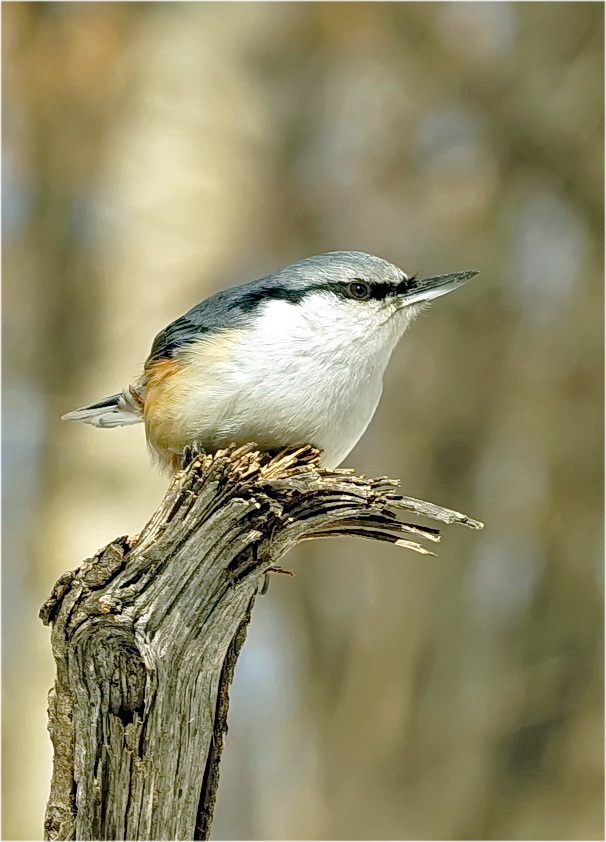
300, 375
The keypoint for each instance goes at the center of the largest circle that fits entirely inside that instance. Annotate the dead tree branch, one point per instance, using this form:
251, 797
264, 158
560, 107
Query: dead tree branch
146, 634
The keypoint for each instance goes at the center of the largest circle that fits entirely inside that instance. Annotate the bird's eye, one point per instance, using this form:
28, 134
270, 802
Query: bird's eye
359, 290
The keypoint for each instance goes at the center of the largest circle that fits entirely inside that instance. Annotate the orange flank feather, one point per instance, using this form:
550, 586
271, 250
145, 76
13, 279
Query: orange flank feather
164, 386
174, 386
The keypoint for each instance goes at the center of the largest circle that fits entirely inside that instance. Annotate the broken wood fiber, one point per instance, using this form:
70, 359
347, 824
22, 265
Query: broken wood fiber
146, 634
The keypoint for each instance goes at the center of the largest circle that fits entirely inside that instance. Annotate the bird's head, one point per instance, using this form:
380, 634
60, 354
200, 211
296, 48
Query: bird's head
350, 294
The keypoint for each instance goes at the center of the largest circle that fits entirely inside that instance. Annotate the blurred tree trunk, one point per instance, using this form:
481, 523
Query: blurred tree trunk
163, 150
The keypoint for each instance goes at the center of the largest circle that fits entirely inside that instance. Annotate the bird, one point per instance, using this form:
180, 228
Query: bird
296, 357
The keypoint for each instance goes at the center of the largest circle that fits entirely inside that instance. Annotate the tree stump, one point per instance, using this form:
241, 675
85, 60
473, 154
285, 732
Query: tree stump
146, 633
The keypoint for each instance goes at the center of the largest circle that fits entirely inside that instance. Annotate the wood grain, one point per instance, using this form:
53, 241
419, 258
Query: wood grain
146, 634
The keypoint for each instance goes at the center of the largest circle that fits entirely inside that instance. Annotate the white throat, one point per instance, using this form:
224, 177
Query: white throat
319, 368
307, 374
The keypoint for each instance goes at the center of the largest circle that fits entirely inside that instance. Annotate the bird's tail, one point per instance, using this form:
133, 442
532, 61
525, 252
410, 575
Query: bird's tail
115, 411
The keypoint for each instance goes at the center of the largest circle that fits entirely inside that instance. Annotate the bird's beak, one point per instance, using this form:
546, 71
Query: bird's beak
424, 289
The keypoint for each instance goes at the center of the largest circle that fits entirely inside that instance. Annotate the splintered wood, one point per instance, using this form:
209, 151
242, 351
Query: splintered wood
146, 634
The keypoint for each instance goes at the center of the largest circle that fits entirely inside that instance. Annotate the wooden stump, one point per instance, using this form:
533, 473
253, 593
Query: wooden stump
146, 634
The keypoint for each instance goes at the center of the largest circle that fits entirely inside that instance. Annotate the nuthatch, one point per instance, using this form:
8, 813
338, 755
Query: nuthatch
294, 358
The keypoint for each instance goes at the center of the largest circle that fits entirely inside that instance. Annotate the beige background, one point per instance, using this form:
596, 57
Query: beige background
155, 153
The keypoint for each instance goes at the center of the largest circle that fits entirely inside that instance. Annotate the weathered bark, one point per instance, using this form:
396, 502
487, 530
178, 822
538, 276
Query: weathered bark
146, 634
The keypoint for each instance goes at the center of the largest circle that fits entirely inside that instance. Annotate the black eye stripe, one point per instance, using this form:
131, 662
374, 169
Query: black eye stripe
378, 291
382, 291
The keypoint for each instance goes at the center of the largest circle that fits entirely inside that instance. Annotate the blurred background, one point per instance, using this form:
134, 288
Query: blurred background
157, 152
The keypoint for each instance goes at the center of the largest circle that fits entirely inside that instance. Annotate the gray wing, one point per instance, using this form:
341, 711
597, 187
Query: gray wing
226, 309
213, 315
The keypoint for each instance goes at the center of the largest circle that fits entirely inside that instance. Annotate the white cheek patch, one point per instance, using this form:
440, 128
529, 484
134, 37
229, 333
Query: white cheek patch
320, 319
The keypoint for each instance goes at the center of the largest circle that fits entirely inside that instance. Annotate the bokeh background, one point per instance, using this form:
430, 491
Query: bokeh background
157, 152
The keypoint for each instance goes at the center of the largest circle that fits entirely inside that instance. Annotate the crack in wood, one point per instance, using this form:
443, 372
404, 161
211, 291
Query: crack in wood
146, 634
